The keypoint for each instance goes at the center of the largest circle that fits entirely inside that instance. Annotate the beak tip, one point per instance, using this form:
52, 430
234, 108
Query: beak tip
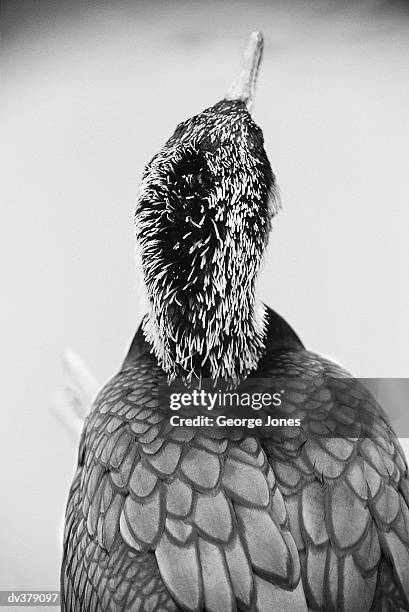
243, 86
257, 37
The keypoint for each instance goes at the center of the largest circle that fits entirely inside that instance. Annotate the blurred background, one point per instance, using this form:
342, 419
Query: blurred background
90, 91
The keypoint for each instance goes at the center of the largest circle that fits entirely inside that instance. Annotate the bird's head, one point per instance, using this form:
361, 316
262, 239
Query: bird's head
202, 221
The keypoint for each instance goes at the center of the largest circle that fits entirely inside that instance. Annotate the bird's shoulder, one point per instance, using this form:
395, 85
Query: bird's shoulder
344, 481
204, 505
307, 515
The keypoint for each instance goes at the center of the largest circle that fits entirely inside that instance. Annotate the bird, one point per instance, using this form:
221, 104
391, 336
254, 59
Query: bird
162, 517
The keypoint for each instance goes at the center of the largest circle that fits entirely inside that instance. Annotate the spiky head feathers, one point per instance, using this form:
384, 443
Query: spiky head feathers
202, 221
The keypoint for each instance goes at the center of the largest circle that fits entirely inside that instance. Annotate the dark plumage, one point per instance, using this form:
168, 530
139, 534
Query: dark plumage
202, 221
313, 517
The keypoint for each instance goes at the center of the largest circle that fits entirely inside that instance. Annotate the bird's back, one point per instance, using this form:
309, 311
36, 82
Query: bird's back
168, 518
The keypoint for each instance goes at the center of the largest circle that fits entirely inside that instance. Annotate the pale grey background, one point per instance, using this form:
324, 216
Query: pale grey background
90, 91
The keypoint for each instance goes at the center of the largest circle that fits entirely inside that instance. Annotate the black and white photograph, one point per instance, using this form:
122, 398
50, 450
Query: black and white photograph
205, 313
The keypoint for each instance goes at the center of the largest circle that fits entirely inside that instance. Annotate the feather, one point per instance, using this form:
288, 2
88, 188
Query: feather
127, 465
245, 483
152, 447
142, 481
398, 552
313, 513
268, 550
386, 459
211, 444
179, 530
278, 508
293, 513
331, 582
140, 427
213, 517
167, 459
272, 597
339, 448
111, 522
356, 480
240, 455
183, 434
294, 570
250, 445
387, 505
349, 517
94, 479
120, 450
368, 554
127, 534
316, 559
373, 479
107, 492
404, 488
179, 498
113, 424
401, 524
286, 474
324, 464
201, 468
94, 510
358, 592
218, 594
271, 479
145, 518
149, 436
180, 570
371, 454
240, 571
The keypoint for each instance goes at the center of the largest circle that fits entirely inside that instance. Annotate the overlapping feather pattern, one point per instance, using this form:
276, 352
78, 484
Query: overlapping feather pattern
163, 518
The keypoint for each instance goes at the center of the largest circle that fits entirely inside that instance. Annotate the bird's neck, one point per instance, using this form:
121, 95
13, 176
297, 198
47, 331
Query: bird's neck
218, 334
